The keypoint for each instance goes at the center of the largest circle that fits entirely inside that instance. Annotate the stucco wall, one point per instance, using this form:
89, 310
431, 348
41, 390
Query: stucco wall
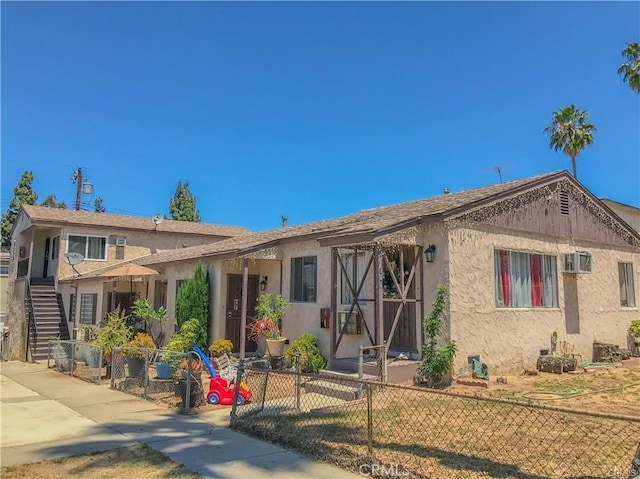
511, 338
138, 244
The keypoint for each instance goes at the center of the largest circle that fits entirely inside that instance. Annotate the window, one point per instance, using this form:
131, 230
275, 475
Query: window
303, 279
91, 247
4, 270
525, 280
88, 308
627, 293
55, 246
361, 266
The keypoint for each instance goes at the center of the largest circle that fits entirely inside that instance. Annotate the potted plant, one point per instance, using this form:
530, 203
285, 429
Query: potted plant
269, 311
182, 342
137, 355
113, 334
221, 346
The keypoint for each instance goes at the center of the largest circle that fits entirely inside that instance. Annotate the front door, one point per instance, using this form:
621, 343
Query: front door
47, 247
234, 309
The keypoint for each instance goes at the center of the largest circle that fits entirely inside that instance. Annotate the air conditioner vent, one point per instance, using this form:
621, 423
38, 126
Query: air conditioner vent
578, 262
121, 241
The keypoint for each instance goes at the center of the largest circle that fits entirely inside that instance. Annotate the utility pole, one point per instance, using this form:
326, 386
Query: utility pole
77, 178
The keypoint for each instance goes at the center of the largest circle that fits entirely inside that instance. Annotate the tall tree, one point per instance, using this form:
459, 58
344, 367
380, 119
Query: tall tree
52, 202
98, 207
183, 204
630, 69
23, 195
570, 132
192, 301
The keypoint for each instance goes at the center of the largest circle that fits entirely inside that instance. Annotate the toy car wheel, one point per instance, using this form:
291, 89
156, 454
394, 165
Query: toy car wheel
240, 401
213, 398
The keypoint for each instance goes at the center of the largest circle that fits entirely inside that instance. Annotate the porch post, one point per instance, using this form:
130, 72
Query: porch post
33, 234
333, 323
421, 297
243, 310
378, 297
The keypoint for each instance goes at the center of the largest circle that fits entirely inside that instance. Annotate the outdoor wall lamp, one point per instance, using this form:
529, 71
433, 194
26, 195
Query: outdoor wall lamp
263, 283
430, 253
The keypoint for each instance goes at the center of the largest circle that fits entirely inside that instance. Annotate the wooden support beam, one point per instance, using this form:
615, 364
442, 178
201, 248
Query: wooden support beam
243, 308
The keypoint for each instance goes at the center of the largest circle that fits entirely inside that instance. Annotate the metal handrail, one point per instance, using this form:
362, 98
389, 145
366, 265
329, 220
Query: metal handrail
32, 328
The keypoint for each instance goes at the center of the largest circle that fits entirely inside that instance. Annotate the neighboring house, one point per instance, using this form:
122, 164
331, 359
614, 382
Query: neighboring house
631, 214
521, 260
43, 238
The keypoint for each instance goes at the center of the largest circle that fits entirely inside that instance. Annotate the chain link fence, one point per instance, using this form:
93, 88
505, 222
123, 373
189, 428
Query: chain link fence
170, 377
372, 362
381, 429
76, 358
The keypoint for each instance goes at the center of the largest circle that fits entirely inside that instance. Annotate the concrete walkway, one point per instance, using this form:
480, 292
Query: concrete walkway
46, 415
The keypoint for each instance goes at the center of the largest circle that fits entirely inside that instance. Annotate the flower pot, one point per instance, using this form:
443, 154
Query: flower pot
275, 347
163, 370
136, 367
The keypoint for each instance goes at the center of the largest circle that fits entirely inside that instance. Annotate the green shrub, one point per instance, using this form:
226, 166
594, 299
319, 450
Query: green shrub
188, 336
221, 346
141, 340
436, 361
311, 358
114, 333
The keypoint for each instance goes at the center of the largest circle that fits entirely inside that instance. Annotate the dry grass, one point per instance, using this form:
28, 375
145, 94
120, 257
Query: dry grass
137, 461
446, 435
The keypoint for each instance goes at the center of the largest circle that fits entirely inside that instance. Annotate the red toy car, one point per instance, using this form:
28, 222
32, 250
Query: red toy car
221, 393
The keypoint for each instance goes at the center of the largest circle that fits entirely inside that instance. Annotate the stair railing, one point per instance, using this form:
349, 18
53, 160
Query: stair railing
32, 328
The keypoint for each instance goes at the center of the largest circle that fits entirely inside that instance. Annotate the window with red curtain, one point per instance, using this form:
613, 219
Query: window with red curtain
525, 280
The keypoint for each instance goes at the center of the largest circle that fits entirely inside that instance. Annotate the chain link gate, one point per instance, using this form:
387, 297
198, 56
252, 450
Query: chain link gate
76, 358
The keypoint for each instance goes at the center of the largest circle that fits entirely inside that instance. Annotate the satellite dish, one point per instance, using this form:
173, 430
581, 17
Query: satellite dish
73, 258
157, 219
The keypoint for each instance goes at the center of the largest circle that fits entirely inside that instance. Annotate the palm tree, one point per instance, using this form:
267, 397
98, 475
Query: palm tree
630, 70
570, 132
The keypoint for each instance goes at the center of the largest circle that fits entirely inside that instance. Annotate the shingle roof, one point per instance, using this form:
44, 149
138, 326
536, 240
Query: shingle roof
60, 216
370, 221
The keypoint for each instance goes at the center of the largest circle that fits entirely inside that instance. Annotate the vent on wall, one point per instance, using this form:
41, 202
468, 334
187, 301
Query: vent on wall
121, 241
564, 202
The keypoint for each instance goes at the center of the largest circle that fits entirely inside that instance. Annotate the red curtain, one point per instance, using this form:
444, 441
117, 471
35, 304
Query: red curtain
536, 279
504, 276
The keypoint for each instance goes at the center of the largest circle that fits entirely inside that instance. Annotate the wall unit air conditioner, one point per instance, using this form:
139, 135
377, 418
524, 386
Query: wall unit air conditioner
353, 322
121, 241
578, 262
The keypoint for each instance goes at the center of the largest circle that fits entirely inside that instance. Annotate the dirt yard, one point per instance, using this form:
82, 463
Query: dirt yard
613, 390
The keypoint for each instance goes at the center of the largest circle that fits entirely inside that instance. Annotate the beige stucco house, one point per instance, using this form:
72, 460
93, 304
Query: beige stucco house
521, 260
46, 240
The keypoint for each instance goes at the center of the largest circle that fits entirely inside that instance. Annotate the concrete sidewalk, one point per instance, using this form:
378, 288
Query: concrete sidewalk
46, 415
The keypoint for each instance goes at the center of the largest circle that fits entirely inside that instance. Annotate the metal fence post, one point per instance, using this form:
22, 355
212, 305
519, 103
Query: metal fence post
234, 407
145, 379
369, 421
100, 365
187, 397
384, 362
298, 380
361, 362
73, 357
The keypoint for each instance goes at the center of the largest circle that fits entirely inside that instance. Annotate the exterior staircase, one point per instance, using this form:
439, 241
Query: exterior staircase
45, 308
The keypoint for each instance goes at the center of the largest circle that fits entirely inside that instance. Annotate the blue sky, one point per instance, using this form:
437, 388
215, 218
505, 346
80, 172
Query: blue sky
310, 110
